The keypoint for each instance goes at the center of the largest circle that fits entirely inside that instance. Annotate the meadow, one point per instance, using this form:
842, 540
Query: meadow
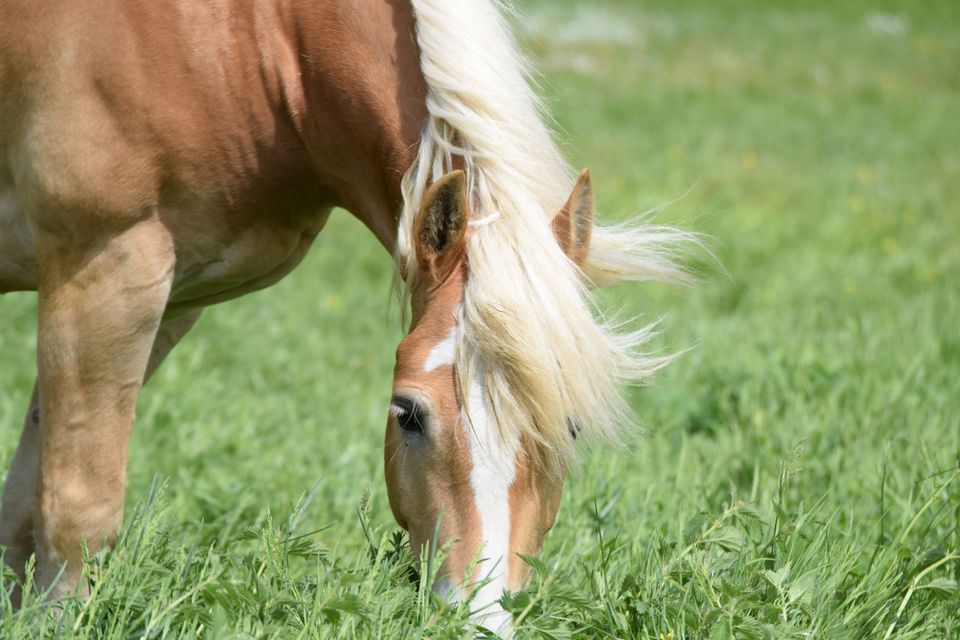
795, 473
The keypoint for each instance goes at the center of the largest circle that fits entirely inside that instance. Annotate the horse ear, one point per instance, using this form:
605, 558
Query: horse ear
573, 226
442, 220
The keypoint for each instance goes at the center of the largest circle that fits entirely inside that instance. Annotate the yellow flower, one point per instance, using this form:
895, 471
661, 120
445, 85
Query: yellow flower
749, 160
864, 175
924, 45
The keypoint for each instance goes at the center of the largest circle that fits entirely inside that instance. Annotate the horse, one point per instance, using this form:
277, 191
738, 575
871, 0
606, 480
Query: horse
160, 156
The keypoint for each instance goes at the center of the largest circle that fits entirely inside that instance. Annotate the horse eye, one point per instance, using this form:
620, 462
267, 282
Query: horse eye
408, 414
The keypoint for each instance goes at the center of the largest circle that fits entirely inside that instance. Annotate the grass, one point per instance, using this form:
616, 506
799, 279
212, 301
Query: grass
799, 473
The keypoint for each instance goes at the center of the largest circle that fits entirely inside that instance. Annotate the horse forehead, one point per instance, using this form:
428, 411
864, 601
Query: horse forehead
432, 342
427, 349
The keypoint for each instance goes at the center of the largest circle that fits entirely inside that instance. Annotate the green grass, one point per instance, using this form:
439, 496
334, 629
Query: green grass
799, 473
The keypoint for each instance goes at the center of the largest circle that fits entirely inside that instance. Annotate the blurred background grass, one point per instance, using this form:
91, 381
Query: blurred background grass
815, 143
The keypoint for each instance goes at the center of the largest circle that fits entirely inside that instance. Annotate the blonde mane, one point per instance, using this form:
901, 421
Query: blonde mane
528, 324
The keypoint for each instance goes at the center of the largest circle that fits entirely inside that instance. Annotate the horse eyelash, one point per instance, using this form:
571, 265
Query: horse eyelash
399, 411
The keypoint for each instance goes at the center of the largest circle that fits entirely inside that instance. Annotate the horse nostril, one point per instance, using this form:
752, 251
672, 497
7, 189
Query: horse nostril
574, 427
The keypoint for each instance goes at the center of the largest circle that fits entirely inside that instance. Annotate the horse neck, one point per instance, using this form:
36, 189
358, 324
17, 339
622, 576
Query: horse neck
360, 103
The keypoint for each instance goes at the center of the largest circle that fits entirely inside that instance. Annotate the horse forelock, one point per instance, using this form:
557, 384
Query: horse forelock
530, 335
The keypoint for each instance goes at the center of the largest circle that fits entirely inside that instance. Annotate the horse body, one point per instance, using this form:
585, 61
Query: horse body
156, 157
225, 122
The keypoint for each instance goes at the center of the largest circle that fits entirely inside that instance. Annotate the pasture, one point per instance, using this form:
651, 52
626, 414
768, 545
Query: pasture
798, 474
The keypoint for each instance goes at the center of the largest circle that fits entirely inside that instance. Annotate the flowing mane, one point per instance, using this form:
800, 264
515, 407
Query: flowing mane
528, 323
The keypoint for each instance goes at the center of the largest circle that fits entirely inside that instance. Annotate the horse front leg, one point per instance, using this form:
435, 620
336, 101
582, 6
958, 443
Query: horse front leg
19, 490
100, 307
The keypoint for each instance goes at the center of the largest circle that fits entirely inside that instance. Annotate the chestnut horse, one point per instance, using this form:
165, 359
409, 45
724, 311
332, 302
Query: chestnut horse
159, 156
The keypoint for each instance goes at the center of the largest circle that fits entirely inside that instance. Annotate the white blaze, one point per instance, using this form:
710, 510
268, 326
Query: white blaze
493, 471
492, 474
443, 353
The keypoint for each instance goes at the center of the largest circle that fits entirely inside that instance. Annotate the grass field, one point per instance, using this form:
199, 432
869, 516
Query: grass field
799, 475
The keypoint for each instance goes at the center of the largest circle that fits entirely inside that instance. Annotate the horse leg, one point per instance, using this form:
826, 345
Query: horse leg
16, 513
100, 308
169, 335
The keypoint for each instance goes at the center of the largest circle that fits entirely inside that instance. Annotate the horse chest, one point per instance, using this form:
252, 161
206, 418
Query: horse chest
222, 266
214, 263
